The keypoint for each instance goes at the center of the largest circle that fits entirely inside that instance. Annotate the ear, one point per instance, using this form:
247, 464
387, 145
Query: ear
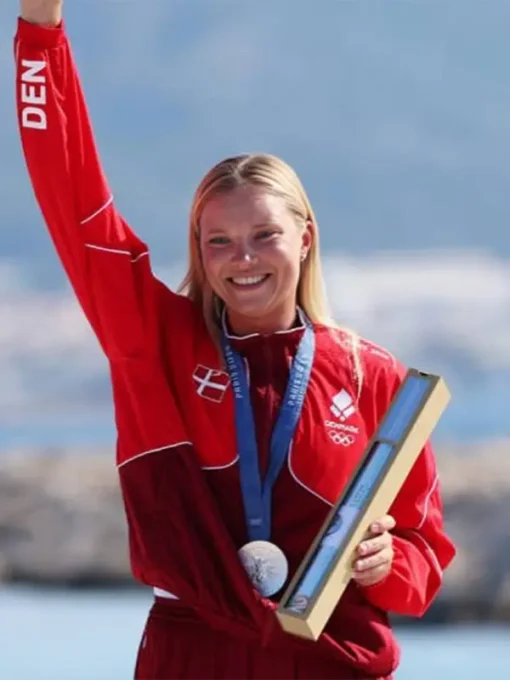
307, 237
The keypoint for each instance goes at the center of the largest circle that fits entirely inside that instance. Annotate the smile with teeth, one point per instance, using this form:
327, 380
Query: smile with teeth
248, 280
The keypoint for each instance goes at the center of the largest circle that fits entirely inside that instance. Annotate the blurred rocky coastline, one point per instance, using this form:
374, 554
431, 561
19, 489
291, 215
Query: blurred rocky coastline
62, 525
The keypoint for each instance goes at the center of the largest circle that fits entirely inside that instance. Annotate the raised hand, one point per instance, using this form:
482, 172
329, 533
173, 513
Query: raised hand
42, 12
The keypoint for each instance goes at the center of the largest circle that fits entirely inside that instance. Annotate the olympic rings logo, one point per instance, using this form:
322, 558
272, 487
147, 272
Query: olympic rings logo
341, 438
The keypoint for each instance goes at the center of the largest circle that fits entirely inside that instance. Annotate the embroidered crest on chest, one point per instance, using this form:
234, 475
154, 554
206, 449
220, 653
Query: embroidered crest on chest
210, 383
341, 411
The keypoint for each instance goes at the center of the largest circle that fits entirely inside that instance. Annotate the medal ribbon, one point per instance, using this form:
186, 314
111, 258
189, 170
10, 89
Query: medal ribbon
257, 494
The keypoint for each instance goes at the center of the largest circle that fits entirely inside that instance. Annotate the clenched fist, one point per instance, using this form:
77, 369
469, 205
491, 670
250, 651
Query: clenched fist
42, 12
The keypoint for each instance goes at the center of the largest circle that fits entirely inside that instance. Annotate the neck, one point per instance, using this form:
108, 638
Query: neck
280, 320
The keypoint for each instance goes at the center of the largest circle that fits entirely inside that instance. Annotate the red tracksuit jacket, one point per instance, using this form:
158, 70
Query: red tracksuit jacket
176, 450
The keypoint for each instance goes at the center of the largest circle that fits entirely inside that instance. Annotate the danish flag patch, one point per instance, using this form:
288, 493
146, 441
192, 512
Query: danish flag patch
210, 383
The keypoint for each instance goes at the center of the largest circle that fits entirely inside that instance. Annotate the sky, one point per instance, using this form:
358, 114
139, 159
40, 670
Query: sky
395, 114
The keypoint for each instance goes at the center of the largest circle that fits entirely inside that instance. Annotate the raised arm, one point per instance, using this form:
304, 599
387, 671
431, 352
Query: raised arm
108, 266
173, 522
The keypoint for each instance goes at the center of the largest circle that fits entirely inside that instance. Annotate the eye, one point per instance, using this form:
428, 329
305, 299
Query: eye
266, 233
218, 241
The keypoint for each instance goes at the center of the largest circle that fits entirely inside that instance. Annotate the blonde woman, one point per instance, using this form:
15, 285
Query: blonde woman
241, 410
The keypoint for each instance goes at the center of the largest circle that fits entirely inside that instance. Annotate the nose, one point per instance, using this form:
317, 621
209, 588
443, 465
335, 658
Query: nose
244, 255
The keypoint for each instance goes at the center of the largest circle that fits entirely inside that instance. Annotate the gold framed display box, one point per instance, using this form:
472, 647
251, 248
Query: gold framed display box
324, 573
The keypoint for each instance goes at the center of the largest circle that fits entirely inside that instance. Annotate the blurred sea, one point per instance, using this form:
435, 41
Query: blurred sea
62, 635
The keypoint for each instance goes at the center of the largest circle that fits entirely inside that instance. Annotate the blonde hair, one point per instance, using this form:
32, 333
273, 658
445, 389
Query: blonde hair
277, 177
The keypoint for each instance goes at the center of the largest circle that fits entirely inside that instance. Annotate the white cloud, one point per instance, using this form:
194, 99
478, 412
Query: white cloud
46, 347
426, 303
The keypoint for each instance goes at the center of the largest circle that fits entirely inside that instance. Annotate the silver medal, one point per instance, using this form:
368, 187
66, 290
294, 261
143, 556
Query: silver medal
266, 566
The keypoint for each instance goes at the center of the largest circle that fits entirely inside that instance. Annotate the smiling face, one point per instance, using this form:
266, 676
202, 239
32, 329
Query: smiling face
252, 246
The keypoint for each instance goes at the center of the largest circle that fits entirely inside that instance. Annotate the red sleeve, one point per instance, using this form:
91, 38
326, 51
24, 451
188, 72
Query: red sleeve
108, 266
176, 535
422, 548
